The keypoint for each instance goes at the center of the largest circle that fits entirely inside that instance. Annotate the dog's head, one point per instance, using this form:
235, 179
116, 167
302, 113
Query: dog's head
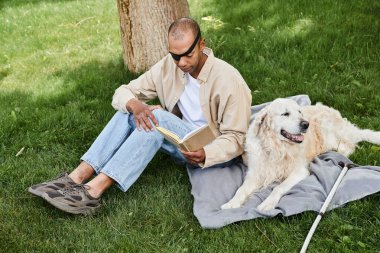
283, 118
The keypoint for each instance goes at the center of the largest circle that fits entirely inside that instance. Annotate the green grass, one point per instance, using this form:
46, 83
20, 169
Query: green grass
60, 62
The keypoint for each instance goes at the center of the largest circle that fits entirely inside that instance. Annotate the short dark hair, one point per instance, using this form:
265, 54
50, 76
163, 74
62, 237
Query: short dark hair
181, 25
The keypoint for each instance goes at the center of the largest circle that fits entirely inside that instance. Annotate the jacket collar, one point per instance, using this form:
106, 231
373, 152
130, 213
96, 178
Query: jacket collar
205, 71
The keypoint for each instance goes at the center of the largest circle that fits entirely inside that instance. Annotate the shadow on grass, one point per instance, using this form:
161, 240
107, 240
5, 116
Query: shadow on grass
301, 47
57, 129
66, 122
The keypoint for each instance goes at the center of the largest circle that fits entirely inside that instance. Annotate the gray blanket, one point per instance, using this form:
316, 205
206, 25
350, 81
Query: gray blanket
213, 187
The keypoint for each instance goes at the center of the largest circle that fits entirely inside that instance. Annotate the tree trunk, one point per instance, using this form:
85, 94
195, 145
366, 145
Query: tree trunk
144, 26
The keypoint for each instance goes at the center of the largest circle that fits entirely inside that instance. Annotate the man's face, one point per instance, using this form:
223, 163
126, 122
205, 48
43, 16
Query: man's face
178, 46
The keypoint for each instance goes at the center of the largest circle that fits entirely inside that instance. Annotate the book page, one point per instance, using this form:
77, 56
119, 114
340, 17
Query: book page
188, 135
169, 135
197, 139
194, 140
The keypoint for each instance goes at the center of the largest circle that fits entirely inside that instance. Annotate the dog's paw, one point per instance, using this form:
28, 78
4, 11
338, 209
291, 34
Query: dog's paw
267, 205
230, 205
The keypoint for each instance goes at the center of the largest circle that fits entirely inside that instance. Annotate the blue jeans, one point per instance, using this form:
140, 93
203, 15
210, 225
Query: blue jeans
122, 153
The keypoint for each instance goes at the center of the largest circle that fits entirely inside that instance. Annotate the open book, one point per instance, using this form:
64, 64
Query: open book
192, 141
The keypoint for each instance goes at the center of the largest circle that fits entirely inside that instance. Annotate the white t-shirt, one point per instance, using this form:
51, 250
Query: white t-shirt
189, 103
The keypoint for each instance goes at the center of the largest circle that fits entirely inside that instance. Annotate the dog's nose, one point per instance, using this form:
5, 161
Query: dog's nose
304, 125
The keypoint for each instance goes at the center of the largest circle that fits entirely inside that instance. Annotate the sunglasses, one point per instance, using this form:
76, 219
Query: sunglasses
177, 57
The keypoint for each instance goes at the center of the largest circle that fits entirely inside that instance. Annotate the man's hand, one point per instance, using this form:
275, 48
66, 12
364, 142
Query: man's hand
195, 157
142, 113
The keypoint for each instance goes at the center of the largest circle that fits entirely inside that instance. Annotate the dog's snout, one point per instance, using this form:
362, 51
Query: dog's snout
304, 125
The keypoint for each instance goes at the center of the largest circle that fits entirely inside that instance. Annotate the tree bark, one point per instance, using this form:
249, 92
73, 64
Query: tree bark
144, 26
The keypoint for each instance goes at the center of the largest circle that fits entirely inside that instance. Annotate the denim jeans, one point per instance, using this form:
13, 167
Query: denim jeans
122, 153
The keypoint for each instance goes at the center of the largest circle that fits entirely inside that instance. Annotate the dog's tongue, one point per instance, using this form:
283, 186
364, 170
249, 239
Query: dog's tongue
293, 137
297, 137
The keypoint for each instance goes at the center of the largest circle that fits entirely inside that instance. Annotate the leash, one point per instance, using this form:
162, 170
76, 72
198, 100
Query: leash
345, 167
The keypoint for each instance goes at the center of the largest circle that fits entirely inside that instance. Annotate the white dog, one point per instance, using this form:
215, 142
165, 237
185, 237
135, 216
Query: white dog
284, 138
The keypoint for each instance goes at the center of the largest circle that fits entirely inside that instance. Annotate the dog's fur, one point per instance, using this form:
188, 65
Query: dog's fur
284, 138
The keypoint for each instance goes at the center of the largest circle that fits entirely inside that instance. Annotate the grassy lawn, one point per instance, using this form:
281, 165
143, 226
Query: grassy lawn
60, 62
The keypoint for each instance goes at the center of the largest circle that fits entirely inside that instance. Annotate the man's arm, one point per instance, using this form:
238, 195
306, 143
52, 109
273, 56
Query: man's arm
234, 123
143, 89
233, 127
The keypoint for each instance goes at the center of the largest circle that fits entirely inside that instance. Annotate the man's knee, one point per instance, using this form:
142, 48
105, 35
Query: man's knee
161, 115
120, 117
120, 114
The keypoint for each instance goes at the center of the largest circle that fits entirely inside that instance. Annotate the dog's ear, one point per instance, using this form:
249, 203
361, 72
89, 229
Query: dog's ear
258, 122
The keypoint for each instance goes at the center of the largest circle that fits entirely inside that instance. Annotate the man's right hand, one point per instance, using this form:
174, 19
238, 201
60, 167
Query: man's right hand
142, 113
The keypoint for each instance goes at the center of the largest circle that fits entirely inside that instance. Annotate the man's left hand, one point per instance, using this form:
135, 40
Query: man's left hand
195, 157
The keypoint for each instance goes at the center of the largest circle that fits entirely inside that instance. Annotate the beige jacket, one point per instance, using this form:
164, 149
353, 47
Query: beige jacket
224, 95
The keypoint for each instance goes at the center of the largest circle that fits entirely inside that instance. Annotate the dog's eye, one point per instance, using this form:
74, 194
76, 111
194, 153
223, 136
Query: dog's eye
286, 114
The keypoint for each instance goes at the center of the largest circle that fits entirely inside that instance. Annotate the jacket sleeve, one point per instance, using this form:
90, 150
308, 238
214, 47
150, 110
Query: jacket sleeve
233, 125
143, 88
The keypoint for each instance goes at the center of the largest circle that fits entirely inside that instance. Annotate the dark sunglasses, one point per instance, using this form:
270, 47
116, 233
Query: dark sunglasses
177, 57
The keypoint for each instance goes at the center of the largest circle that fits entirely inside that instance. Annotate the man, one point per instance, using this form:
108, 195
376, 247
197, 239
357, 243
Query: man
194, 88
